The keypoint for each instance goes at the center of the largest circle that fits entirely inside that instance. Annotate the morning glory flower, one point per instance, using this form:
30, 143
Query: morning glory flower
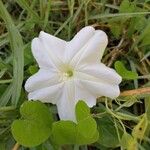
71, 71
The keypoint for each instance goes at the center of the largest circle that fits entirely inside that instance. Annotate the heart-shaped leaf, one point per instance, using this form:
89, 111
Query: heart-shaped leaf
82, 132
123, 72
35, 125
108, 131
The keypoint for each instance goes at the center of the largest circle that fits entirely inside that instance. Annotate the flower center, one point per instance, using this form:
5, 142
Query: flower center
69, 73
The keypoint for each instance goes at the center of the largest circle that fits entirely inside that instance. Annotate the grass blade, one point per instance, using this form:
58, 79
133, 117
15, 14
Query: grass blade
16, 44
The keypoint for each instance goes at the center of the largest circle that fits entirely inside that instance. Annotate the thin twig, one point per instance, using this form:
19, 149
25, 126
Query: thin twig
16, 146
145, 90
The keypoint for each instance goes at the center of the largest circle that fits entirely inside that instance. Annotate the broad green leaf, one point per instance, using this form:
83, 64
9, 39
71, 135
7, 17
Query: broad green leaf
108, 135
139, 130
64, 132
82, 132
123, 72
86, 127
34, 127
82, 111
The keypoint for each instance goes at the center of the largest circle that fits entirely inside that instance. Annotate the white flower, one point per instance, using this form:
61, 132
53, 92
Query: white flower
71, 71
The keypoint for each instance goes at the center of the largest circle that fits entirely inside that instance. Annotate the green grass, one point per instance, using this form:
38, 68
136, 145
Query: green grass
127, 25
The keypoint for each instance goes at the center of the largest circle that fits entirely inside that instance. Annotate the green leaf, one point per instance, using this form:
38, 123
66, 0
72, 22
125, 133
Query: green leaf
34, 127
126, 7
64, 132
87, 132
107, 129
123, 72
140, 129
80, 133
82, 111
116, 29
32, 69
128, 142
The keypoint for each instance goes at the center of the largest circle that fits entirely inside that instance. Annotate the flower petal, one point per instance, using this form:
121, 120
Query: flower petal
79, 40
92, 51
55, 45
66, 103
97, 86
42, 79
102, 72
81, 93
49, 94
72, 93
40, 54
48, 50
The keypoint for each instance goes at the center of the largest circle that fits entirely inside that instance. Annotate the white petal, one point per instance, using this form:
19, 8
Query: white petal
48, 50
79, 40
41, 55
55, 45
42, 79
97, 86
66, 104
72, 93
92, 51
49, 94
102, 72
81, 93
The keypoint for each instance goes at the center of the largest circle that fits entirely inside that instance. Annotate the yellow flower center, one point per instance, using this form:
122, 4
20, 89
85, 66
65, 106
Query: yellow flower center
67, 72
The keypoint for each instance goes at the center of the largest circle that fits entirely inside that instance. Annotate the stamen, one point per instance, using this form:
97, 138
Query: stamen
69, 73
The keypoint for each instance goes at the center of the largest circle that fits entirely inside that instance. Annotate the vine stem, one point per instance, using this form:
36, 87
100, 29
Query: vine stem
16, 146
145, 90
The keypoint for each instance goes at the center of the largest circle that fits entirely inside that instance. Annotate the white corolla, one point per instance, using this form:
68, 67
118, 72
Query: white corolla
71, 71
